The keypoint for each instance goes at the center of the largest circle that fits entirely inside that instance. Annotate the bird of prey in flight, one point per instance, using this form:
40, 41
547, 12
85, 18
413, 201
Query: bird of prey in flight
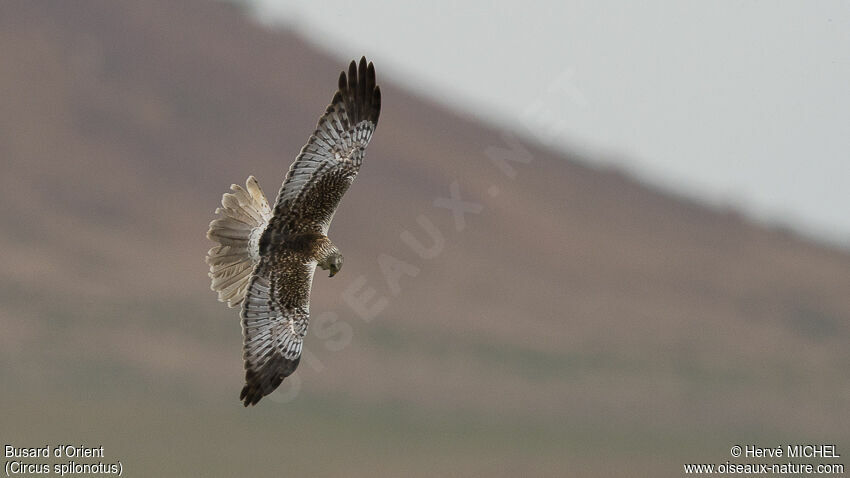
266, 257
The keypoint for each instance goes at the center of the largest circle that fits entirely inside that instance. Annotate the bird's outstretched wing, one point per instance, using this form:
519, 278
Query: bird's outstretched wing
330, 160
274, 323
276, 308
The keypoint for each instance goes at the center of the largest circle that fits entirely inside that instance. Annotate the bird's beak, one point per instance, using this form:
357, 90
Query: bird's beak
333, 273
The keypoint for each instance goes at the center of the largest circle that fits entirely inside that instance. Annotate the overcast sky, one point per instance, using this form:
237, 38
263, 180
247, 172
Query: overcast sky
746, 104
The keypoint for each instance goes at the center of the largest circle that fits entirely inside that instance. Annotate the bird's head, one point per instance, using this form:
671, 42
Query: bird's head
333, 263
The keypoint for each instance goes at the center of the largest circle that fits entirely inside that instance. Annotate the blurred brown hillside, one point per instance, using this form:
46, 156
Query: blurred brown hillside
581, 317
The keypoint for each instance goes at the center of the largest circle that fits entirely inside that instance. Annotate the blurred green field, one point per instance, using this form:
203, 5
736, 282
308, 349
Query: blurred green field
166, 420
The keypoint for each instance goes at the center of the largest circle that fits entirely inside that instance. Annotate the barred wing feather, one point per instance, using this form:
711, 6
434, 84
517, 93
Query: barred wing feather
330, 160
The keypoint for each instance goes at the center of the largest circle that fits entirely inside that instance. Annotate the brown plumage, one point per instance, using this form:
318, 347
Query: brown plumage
266, 257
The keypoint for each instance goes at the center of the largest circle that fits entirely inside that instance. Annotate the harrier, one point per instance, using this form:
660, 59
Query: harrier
265, 258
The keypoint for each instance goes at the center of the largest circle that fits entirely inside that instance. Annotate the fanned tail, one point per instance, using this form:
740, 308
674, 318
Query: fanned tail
243, 216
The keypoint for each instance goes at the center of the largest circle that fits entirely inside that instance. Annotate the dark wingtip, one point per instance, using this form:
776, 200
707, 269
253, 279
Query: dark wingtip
371, 73
352, 75
343, 82
250, 395
359, 91
377, 103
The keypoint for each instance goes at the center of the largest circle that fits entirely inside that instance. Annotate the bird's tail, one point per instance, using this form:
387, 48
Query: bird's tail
243, 216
